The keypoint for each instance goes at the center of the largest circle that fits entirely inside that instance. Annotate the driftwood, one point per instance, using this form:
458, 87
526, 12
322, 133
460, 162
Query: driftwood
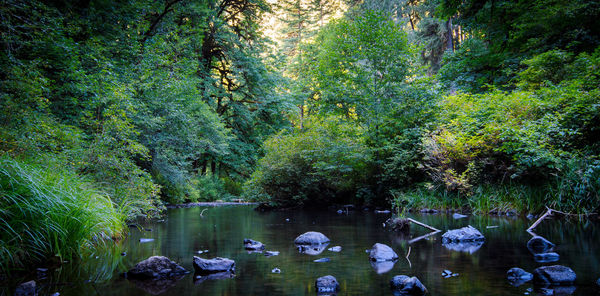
423, 224
423, 237
433, 231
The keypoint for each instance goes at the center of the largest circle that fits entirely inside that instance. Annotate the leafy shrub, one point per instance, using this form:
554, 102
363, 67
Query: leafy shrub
322, 163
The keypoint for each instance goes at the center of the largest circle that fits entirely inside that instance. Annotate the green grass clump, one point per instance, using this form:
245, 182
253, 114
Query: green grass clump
47, 212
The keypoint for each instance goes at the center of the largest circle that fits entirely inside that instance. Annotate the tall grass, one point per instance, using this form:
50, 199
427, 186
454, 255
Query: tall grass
48, 212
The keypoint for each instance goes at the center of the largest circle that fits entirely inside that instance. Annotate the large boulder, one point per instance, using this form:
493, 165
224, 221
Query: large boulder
538, 245
517, 276
327, 284
465, 234
26, 289
311, 238
382, 252
218, 264
407, 285
554, 275
156, 267
253, 245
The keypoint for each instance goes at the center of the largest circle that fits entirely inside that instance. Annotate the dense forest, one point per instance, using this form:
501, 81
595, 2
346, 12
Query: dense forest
109, 110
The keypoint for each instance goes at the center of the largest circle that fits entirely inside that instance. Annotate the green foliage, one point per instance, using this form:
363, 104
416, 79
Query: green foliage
50, 212
324, 162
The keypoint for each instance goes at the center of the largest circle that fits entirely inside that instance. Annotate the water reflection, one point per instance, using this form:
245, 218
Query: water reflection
482, 268
467, 247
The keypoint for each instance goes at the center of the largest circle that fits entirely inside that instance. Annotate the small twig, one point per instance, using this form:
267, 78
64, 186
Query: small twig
202, 213
408, 254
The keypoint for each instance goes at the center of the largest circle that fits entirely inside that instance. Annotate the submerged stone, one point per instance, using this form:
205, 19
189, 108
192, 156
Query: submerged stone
538, 244
327, 285
251, 244
271, 253
517, 276
156, 267
458, 216
407, 285
320, 260
382, 252
312, 249
335, 249
554, 275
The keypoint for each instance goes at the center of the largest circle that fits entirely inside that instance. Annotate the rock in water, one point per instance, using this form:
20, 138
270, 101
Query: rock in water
466, 246
312, 249
598, 283
398, 224
276, 270
218, 264
311, 238
538, 245
271, 253
322, 260
554, 275
518, 276
250, 244
327, 284
335, 249
407, 285
26, 289
146, 240
546, 257
458, 216
465, 234
381, 252
156, 267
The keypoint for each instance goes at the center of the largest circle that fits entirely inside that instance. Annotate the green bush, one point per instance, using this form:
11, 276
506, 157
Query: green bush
325, 162
49, 212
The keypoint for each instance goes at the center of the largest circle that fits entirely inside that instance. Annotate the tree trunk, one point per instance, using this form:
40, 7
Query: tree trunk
449, 40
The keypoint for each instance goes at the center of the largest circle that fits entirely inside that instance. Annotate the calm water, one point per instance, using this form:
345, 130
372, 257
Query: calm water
221, 231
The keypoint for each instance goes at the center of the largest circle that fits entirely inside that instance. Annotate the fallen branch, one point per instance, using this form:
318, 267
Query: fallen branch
423, 237
538, 221
423, 224
202, 213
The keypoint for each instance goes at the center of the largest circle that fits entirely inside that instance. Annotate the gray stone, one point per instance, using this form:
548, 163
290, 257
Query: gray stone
218, 264
26, 289
465, 234
311, 238
335, 249
146, 240
156, 267
458, 216
271, 253
538, 244
327, 285
251, 244
516, 274
546, 257
320, 260
382, 252
276, 270
554, 275
407, 285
